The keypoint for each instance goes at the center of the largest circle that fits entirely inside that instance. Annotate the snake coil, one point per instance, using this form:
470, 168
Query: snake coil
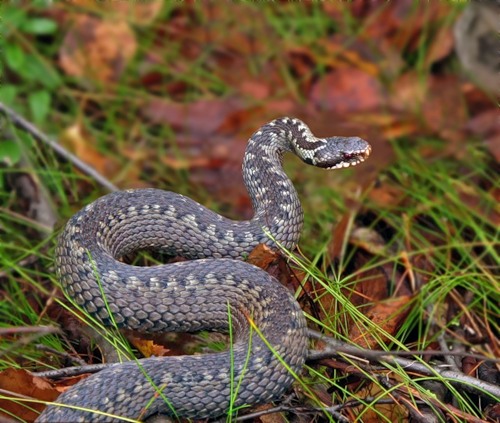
209, 292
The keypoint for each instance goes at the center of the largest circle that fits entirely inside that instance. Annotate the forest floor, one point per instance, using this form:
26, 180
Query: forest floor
398, 265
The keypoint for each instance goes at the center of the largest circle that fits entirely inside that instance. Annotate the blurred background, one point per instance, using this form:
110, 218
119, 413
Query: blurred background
156, 93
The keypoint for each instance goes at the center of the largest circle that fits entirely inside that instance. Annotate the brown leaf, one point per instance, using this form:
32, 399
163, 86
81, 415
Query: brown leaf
347, 91
487, 126
392, 412
148, 347
408, 93
371, 286
25, 384
493, 145
184, 163
387, 314
202, 117
97, 50
438, 99
277, 266
445, 110
82, 145
400, 22
244, 31
441, 46
369, 240
339, 237
270, 418
485, 123
140, 13
262, 256
255, 88
387, 196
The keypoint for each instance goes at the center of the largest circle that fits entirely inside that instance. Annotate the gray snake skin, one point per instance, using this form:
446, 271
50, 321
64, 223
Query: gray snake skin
208, 293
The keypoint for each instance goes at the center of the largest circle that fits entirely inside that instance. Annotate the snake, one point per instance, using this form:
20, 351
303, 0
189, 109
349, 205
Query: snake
214, 290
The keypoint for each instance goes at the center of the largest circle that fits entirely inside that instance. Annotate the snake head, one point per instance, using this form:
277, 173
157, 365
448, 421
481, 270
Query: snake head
336, 152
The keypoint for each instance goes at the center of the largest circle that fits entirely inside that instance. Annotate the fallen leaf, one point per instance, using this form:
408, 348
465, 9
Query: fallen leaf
95, 50
408, 93
438, 101
387, 195
262, 256
255, 88
269, 418
178, 163
27, 386
148, 348
493, 145
81, 144
335, 248
374, 413
445, 110
387, 315
400, 22
370, 286
441, 46
202, 117
484, 123
342, 52
346, 90
140, 13
369, 240
277, 266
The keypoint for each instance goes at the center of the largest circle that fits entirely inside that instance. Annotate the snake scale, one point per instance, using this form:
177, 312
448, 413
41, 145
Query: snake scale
209, 292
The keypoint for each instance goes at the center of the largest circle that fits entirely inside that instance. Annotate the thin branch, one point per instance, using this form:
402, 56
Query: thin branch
73, 371
296, 410
315, 355
30, 334
74, 359
42, 330
333, 410
23, 124
467, 382
416, 414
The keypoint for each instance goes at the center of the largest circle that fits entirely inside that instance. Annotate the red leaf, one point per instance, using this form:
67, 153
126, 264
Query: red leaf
347, 91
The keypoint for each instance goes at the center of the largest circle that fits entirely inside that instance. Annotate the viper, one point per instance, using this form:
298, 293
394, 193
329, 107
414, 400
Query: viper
214, 290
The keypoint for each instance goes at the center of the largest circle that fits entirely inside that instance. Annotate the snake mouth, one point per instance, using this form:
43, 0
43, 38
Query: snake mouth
349, 159
359, 156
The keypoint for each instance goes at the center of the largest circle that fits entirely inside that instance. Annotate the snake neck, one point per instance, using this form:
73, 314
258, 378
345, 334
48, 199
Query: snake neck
274, 199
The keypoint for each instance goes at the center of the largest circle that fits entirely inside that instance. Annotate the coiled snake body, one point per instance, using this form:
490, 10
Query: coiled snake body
208, 293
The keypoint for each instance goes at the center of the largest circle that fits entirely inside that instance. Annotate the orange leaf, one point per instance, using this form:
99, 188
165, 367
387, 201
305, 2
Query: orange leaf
82, 145
262, 256
96, 50
147, 347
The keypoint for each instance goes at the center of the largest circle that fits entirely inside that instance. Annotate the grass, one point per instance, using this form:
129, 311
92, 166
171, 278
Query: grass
437, 235
458, 243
